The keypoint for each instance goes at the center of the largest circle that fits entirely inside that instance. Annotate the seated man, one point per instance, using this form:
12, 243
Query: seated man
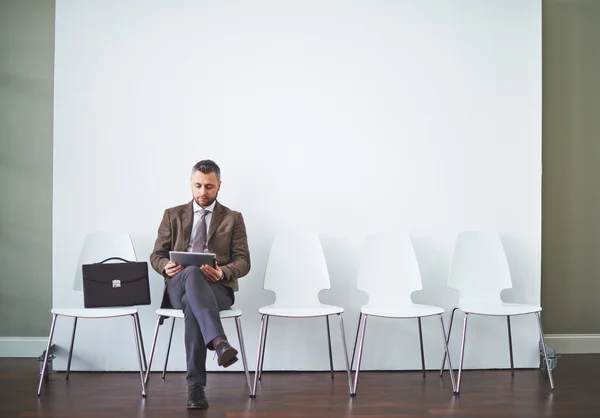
202, 225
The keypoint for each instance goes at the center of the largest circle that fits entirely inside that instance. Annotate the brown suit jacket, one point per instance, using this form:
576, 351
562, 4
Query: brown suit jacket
226, 238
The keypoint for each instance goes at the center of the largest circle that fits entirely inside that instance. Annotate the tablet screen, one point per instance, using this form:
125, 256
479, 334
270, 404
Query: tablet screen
192, 259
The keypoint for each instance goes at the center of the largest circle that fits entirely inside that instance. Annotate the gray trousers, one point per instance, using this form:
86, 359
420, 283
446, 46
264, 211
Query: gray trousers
201, 302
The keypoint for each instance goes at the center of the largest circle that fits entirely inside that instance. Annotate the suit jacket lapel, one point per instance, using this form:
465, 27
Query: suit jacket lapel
215, 221
187, 220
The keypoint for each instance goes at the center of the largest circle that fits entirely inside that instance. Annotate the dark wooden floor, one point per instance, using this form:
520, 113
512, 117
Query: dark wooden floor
380, 394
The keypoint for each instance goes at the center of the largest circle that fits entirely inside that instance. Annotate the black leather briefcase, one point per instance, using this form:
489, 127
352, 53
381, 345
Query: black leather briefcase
115, 284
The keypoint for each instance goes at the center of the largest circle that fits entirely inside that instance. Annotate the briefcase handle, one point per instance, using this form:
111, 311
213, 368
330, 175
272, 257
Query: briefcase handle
115, 258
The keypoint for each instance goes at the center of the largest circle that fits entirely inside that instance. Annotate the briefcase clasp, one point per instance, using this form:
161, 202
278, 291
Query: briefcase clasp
116, 283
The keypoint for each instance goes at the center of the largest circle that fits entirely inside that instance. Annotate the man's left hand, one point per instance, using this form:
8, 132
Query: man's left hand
212, 274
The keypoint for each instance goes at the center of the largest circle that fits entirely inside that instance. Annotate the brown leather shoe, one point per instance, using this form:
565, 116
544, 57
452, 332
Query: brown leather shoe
196, 397
227, 355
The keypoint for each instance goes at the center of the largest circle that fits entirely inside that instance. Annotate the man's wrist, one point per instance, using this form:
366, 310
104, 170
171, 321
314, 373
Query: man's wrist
223, 277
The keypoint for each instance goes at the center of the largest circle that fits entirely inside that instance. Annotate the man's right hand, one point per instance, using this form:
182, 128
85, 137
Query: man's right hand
172, 269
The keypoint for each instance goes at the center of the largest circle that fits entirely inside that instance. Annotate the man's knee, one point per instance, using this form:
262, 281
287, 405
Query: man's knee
191, 271
194, 278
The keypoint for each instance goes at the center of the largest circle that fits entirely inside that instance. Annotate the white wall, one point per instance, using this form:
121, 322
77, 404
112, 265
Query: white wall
346, 118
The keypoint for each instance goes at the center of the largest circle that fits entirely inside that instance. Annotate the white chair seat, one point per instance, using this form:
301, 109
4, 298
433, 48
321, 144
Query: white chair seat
322, 310
230, 313
94, 312
497, 308
178, 313
406, 311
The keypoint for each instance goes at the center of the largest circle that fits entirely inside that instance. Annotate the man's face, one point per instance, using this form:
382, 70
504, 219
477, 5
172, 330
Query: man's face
205, 188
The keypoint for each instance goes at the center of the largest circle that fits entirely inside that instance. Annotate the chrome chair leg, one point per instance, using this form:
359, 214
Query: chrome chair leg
510, 347
329, 343
447, 341
45, 364
71, 347
264, 346
356, 339
447, 352
137, 336
462, 353
422, 352
152, 350
544, 349
164, 373
345, 352
238, 325
363, 325
137, 319
258, 357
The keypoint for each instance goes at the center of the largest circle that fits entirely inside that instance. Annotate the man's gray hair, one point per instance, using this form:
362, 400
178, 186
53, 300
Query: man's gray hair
207, 167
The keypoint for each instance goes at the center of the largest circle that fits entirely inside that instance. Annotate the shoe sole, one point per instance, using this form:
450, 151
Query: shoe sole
229, 363
198, 407
228, 358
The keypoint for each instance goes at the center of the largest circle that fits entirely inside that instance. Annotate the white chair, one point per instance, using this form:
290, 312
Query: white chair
178, 314
480, 271
390, 275
97, 247
296, 271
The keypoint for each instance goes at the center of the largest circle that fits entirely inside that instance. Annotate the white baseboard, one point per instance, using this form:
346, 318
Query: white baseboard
574, 343
22, 346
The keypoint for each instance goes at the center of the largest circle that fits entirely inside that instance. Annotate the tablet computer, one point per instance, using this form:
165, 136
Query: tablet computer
184, 258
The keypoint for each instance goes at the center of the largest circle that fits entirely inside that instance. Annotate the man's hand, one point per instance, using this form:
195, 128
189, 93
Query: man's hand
212, 274
172, 269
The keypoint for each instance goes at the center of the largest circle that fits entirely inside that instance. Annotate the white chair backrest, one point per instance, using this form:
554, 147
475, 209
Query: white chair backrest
479, 267
389, 271
296, 270
98, 246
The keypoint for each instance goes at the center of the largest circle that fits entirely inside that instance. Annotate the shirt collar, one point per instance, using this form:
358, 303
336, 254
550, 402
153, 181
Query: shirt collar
197, 207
